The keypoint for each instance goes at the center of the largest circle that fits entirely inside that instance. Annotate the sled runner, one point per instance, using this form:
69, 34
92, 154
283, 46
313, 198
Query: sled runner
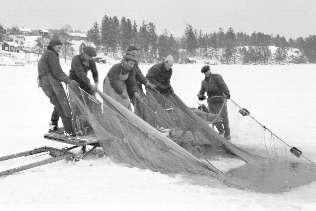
55, 154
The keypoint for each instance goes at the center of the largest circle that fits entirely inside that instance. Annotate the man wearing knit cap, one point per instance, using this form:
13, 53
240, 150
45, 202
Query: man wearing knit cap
120, 81
217, 93
140, 80
50, 76
160, 74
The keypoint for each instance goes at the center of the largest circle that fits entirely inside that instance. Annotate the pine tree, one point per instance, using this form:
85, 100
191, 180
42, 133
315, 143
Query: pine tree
280, 54
93, 34
134, 35
163, 45
124, 39
220, 38
2, 32
190, 39
105, 26
143, 37
152, 39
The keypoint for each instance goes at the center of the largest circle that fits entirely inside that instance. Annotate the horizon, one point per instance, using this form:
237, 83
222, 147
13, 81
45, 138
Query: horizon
289, 20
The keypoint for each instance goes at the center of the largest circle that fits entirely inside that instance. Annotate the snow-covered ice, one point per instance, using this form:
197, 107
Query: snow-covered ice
281, 96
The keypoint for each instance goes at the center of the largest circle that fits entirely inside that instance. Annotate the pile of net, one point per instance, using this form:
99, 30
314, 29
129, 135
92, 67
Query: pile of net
187, 147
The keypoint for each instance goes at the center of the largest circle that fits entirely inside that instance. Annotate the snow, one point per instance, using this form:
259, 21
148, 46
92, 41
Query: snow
281, 96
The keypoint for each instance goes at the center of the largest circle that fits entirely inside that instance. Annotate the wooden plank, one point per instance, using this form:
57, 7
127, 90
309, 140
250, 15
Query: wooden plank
25, 153
78, 141
36, 164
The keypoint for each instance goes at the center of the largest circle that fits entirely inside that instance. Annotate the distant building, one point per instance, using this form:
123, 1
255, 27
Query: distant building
10, 46
77, 36
43, 32
26, 31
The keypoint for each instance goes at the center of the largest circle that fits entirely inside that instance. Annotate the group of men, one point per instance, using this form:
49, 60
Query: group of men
123, 83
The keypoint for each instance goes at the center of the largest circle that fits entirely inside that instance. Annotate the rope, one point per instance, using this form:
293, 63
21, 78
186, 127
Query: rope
273, 134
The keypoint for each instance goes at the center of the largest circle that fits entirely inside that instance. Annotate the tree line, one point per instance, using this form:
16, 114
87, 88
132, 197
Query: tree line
115, 35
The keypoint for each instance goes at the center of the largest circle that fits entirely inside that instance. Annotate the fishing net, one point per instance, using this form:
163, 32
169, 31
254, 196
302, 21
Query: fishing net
255, 137
128, 139
171, 139
188, 127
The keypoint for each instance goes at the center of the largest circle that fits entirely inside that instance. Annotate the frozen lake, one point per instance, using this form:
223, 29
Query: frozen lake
282, 97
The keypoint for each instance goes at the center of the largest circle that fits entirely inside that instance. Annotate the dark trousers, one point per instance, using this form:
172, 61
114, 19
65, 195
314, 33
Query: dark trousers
222, 127
56, 93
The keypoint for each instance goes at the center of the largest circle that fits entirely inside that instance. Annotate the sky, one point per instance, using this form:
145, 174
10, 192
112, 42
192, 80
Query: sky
290, 18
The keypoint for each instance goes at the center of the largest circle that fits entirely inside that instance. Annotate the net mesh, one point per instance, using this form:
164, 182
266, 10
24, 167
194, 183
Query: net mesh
174, 139
128, 139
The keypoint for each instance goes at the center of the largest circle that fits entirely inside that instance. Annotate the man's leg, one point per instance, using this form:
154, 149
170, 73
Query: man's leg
224, 115
54, 119
59, 99
215, 108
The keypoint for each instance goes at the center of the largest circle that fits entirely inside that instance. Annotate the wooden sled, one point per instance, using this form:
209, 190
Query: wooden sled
54, 153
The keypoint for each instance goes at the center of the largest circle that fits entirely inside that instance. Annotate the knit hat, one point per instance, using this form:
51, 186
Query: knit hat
54, 42
90, 51
130, 56
132, 48
205, 68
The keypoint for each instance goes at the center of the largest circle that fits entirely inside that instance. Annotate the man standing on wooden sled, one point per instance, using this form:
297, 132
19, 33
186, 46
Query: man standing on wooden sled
217, 93
80, 65
50, 76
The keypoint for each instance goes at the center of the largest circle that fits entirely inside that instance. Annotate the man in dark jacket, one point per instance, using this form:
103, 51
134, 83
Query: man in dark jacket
217, 93
80, 65
160, 74
50, 76
120, 81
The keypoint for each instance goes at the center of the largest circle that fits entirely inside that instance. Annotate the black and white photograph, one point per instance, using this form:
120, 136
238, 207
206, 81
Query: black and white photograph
158, 105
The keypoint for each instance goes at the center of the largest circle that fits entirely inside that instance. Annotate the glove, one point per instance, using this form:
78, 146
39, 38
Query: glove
94, 87
136, 95
201, 97
226, 95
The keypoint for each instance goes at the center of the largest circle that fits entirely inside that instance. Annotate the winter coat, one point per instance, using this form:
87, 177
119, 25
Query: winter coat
214, 85
79, 70
50, 76
115, 75
160, 76
49, 65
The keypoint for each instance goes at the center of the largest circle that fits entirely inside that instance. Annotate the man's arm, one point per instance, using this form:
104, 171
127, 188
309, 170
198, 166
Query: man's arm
79, 71
202, 91
222, 85
54, 65
152, 74
114, 78
139, 75
94, 71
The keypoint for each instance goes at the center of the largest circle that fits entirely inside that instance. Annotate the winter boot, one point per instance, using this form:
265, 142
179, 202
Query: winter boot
53, 127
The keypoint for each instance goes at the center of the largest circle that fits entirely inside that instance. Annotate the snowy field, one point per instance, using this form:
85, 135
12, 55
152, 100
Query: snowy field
282, 97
